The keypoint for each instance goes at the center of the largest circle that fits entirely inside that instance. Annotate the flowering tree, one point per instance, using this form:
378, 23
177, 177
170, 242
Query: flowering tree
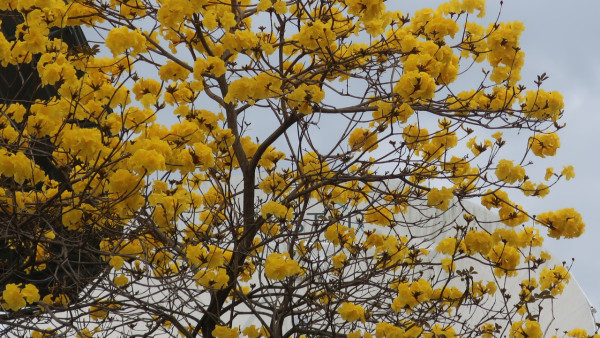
270, 168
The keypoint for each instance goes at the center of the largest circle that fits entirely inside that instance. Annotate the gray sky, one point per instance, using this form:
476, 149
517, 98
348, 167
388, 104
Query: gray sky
562, 39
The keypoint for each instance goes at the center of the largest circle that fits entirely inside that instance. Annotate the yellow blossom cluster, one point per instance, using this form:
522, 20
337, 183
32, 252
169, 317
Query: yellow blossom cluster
339, 260
304, 96
388, 112
273, 184
508, 172
440, 198
277, 210
565, 223
252, 89
339, 235
316, 36
363, 139
351, 312
211, 64
225, 332
172, 71
20, 167
505, 54
414, 85
385, 329
253, 332
389, 250
212, 278
14, 297
211, 257
543, 105
506, 258
500, 247
380, 216
554, 279
100, 311
544, 144
120, 39
279, 266
527, 328
412, 294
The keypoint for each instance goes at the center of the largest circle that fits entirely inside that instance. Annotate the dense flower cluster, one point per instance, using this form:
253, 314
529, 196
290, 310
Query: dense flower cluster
278, 266
212, 163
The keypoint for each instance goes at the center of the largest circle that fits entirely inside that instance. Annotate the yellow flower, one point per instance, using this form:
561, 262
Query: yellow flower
339, 260
568, 172
438, 331
339, 234
351, 312
216, 66
383, 329
506, 259
513, 216
355, 334
272, 184
279, 266
121, 280
312, 165
275, 209
173, 71
212, 278
146, 161
530, 329
415, 85
123, 182
86, 143
440, 198
31, 293
86, 333
448, 264
119, 39
304, 96
98, 312
316, 36
415, 136
363, 139
544, 144
225, 332
263, 5
566, 223
412, 294
202, 156
554, 279
13, 298
577, 333
495, 199
508, 172
447, 246
543, 105
72, 219
251, 331
280, 7
549, 173
380, 216
116, 262
478, 242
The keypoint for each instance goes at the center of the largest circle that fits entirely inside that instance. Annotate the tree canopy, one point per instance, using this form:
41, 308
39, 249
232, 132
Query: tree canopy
225, 168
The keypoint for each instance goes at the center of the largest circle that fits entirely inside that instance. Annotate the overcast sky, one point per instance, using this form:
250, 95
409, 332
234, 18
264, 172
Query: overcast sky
562, 39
